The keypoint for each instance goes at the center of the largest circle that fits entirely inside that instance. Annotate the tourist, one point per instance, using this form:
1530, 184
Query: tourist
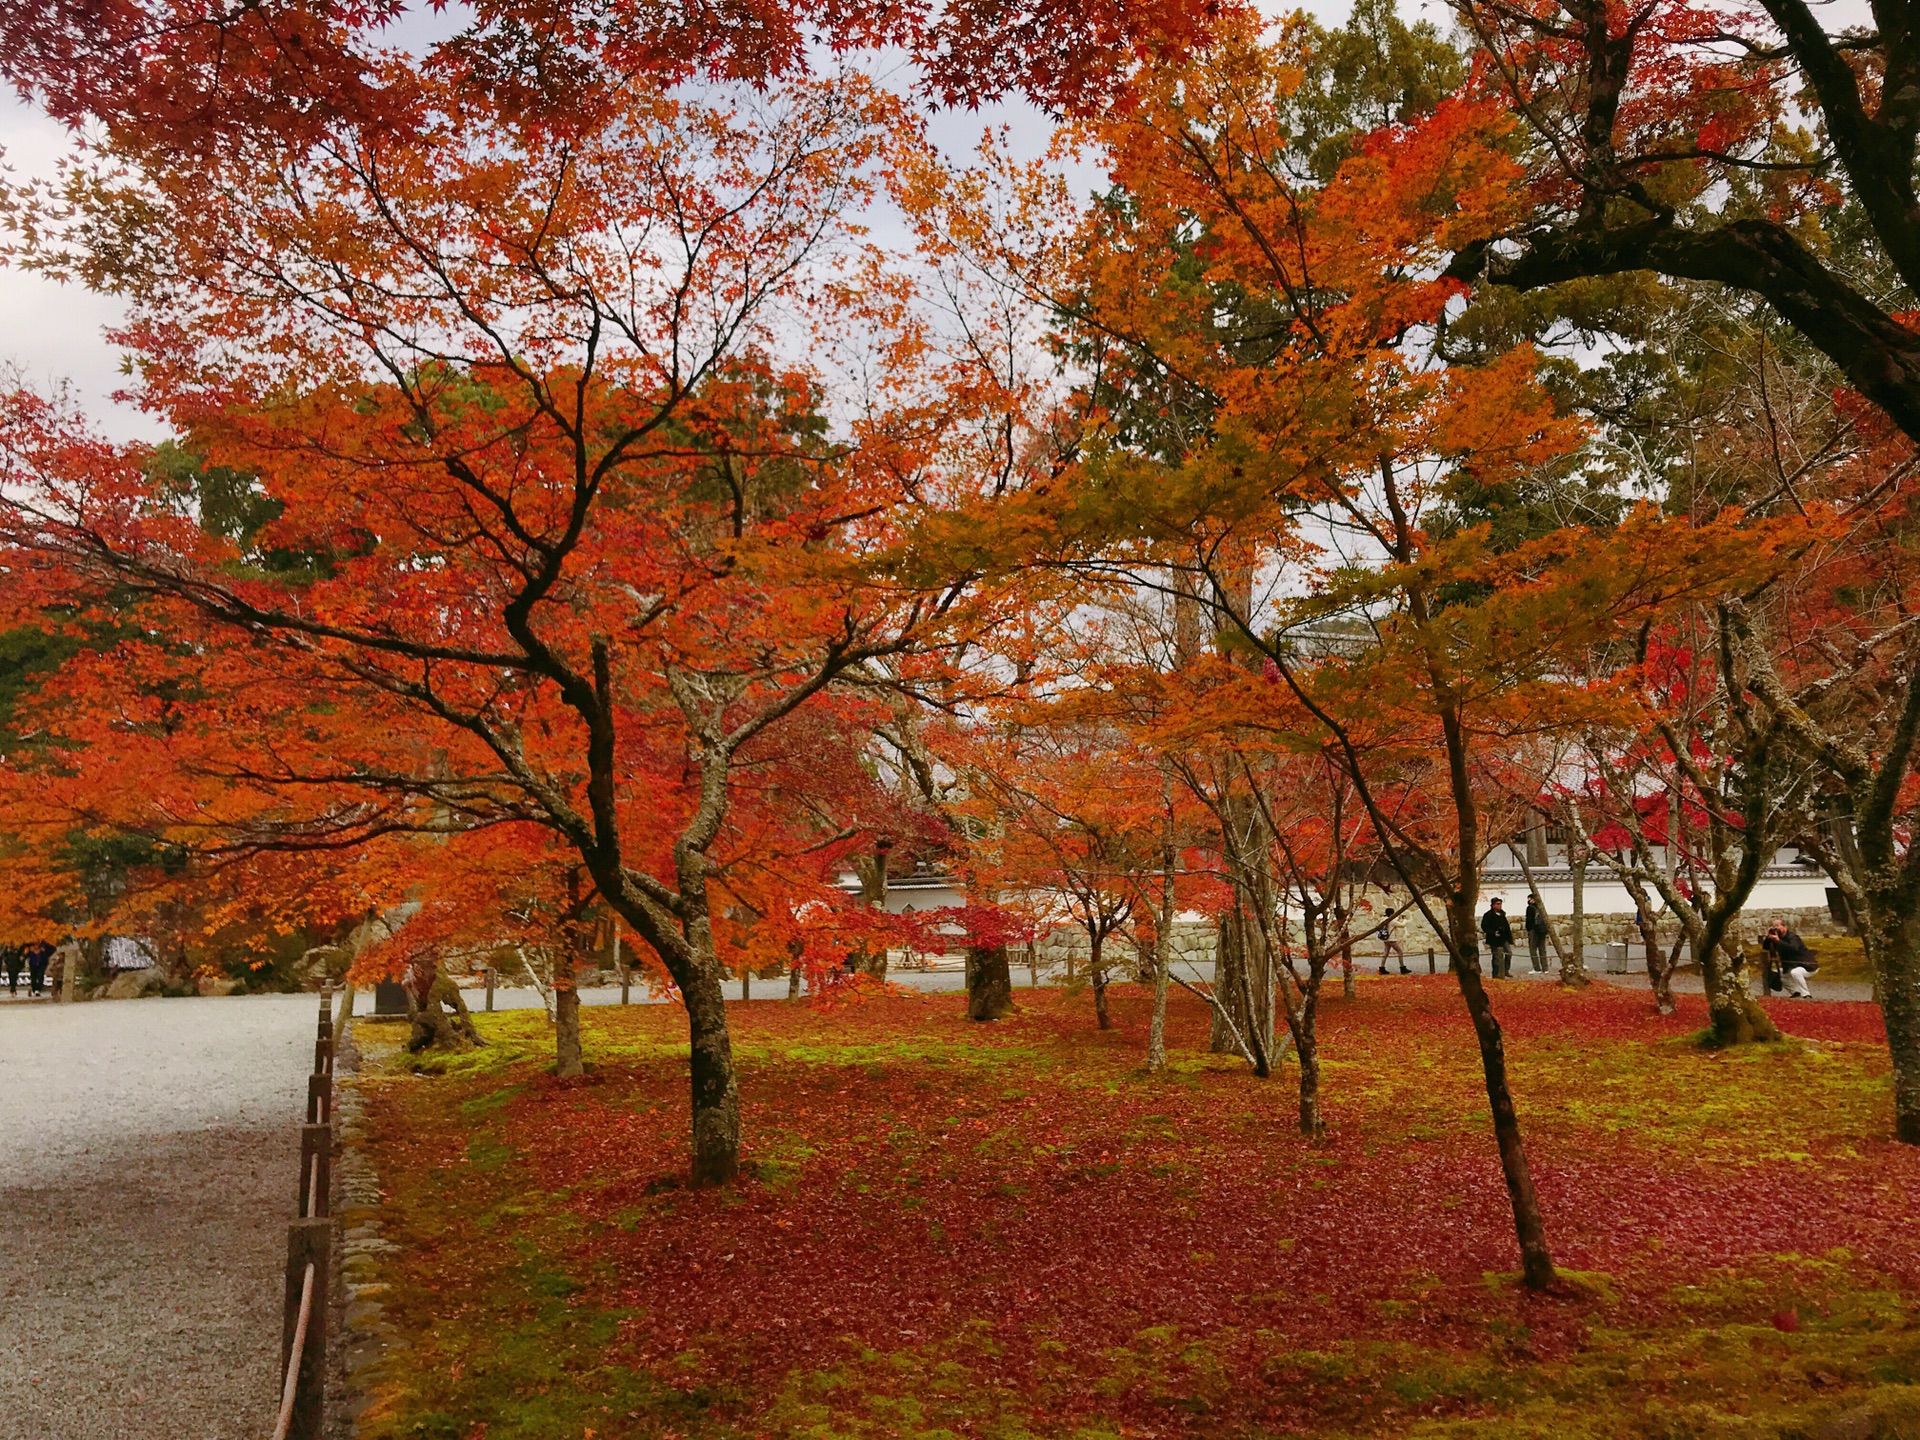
1791, 957
1535, 924
1497, 931
38, 954
1390, 946
13, 957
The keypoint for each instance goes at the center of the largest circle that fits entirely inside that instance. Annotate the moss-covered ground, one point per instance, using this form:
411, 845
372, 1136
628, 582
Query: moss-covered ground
1010, 1231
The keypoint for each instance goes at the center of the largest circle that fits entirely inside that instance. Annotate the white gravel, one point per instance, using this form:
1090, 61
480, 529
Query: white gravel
149, 1156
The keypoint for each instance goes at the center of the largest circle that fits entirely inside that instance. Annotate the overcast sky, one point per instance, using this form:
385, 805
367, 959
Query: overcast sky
53, 333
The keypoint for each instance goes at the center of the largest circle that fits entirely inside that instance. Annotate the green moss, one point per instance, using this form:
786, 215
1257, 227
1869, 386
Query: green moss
508, 1284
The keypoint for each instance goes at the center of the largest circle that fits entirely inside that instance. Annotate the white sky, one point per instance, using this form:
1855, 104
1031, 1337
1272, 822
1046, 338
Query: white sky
52, 333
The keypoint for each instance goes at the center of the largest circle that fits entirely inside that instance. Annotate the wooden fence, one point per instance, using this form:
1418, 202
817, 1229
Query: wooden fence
303, 1330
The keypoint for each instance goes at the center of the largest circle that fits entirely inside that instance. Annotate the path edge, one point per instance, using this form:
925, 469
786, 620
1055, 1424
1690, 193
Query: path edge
359, 1312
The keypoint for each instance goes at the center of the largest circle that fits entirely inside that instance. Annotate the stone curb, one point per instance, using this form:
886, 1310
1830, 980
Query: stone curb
362, 1334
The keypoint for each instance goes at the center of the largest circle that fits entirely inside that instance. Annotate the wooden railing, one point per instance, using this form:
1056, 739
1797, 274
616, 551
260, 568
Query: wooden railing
303, 1330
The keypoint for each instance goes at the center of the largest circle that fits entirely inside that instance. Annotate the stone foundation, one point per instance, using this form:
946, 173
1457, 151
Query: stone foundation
1197, 941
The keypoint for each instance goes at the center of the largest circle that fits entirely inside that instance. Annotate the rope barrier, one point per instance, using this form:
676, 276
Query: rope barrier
291, 1389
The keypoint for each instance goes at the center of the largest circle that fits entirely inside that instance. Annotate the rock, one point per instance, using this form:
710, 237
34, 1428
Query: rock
134, 984
217, 985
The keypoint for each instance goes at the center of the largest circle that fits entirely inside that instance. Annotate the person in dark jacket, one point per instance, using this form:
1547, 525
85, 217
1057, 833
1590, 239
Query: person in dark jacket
1497, 931
1791, 959
38, 954
13, 957
1535, 924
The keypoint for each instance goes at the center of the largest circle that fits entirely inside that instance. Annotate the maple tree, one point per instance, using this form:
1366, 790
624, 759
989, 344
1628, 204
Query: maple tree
1295, 321
185, 74
1070, 822
564, 515
1761, 149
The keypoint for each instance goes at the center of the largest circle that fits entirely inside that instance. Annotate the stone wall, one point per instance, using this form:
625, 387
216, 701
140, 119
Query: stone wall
1192, 941
1198, 940
1414, 935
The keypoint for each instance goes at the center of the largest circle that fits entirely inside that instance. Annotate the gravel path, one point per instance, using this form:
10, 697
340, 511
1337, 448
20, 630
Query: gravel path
148, 1159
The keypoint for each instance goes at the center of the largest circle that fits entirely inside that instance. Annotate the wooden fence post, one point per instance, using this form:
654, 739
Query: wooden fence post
316, 1170
1430, 969
319, 1099
309, 1242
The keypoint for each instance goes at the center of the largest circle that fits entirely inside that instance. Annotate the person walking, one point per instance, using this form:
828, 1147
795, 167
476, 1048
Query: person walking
1390, 946
1791, 957
13, 957
1497, 931
1534, 922
38, 954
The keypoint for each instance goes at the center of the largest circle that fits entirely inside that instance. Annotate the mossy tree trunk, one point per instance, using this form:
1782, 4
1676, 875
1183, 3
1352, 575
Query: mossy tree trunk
1573, 965
437, 1012
989, 983
1891, 938
569, 1061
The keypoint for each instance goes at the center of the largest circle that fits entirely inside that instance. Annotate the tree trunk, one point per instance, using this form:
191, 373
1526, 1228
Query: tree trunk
1536, 1261
1733, 1016
989, 983
346, 1008
1259, 1035
793, 981
1157, 1025
716, 1093
1162, 952
1347, 988
746, 984
1307, 1043
440, 1020
1243, 986
1891, 937
1573, 965
1097, 972
1659, 973
1229, 963
568, 1063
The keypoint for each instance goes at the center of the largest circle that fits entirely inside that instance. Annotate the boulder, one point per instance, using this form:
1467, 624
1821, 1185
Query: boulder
134, 984
217, 985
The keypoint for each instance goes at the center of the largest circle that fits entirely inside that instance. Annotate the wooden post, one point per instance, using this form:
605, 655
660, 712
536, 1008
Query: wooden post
490, 977
323, 1054
319, 1099
309, 1242
1430, 969
316, 1171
